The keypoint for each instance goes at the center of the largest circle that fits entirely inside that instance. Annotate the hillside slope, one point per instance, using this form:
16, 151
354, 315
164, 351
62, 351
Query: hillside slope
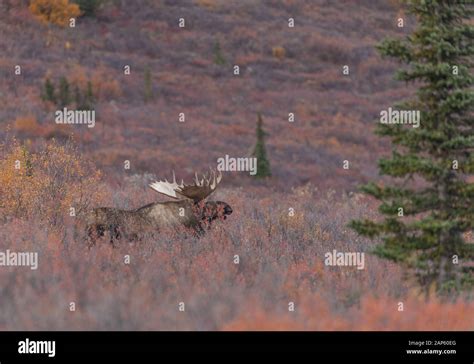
282, 70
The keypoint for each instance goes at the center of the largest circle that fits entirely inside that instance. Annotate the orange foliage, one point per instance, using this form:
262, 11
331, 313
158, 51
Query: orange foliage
77, 75
374, 314
104, 85
56, 12
210, 4
279, 52
28, 125
46, 184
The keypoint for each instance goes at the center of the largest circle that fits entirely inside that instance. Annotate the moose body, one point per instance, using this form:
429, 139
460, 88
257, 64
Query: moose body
190, 212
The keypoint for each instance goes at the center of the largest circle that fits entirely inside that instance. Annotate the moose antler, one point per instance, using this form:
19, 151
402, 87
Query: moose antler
197, 191
167, 188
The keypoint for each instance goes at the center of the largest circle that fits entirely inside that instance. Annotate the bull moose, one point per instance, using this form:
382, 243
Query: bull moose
188, 209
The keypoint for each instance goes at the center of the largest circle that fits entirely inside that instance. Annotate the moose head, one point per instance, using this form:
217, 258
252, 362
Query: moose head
196, 193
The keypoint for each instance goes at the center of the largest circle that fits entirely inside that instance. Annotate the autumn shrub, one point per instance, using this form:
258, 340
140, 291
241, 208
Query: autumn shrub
138, 286
210, 4
56, 12
99, 81
374, 314
27, 125
329, 49
50, 184
105, 86
279, 52
59, 132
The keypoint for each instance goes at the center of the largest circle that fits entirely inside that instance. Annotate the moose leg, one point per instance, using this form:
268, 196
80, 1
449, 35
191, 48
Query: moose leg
90, 238
93, 233
117, 234
199, 230
114, 232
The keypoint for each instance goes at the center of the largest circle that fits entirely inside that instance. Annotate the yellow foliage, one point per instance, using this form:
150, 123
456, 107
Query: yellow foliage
278, 52
46, 184
56, 12
292, 219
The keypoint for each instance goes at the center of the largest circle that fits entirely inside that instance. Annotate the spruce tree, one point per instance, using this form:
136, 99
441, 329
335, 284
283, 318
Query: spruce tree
430, 204
89, 7
263, 165
78, 97
84, 100
48, 93
218, 56
89, 98
64, 97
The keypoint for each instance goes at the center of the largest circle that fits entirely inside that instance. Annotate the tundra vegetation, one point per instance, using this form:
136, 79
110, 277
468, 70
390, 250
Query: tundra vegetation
268, 257
241, 274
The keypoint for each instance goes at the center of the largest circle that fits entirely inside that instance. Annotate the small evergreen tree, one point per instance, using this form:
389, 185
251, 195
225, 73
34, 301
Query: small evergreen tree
48, 91
83, 99
218, 56
78, 99
89, 7
64, 96
263, 164
90, 99
86, 100
427, 216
